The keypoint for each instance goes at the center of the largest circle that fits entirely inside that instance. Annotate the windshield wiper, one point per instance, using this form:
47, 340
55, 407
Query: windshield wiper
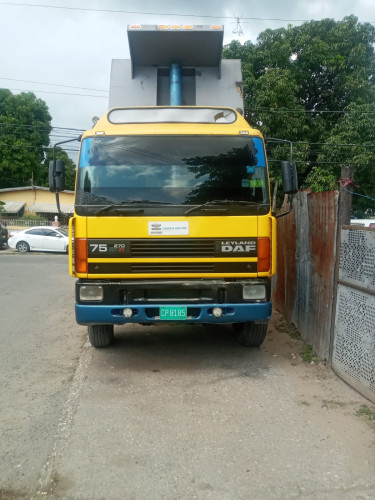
122, 205
209, 206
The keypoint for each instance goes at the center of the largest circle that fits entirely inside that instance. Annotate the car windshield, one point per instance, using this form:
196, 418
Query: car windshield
178, 170
63, 231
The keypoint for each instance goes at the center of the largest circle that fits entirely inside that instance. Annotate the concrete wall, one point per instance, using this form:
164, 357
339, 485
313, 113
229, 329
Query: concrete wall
220, 90
201, 86
127, 91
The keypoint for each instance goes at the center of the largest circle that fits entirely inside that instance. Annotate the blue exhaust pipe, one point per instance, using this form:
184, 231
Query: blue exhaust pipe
175, 93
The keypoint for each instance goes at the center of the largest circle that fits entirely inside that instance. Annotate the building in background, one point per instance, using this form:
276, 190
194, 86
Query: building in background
35, 200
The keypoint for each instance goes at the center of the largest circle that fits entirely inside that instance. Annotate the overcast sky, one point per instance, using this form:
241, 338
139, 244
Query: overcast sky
74, 48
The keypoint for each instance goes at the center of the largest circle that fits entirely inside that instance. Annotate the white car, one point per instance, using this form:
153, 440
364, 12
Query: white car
41, 238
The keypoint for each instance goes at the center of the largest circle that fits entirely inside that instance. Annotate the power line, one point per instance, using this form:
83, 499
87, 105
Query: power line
60, 93
312, 111
68, 128
141, 13
24, 146
335, 145
330, 144
52, 84
314, 162
156, 13
38, 127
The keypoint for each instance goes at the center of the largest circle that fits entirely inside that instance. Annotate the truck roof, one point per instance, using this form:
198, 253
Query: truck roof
171, 120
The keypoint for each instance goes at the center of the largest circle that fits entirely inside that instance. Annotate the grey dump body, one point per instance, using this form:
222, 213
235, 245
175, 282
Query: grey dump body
206, 79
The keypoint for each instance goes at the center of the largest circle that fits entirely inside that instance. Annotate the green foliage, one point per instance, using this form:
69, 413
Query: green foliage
32, 217
314, 84
290, 330
308, 355
364, 410
356, 130
320, 179
25, 128
24, 152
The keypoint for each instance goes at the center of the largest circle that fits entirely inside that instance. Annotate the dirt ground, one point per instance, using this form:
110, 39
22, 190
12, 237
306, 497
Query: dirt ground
169, 411
319, 387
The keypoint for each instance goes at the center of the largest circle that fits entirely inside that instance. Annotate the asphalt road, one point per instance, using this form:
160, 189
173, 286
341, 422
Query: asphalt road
166, 412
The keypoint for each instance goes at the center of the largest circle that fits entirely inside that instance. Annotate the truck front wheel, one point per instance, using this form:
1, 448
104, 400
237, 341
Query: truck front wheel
250, 334
101, 335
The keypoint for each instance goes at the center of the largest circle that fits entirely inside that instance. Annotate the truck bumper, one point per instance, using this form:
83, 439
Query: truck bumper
93, 314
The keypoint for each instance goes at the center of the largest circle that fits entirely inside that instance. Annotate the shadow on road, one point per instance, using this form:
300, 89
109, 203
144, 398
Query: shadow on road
182, 348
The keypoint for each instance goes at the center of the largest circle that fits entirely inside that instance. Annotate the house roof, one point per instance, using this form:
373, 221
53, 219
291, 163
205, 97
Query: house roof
50, 208
29, 188
12, 207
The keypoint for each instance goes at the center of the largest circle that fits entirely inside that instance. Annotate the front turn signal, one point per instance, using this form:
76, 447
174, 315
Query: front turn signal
264, 255
80, 255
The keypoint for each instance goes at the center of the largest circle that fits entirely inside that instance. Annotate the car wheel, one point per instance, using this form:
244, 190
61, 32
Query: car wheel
23, 247
250, 334
101, 335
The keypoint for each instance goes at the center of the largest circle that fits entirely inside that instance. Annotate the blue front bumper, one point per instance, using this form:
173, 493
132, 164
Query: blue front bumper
94, 314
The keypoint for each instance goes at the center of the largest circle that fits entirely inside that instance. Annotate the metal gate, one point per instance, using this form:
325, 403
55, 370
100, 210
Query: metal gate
353, 355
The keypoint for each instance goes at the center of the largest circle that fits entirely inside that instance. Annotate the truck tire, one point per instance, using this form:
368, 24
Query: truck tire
250, 334
23, 247
101, 335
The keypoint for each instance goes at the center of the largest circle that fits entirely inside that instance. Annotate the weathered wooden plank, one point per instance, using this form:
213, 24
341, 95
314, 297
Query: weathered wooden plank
305, 282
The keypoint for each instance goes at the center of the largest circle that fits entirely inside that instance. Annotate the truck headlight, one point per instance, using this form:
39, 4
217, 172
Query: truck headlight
91, 293
254, 292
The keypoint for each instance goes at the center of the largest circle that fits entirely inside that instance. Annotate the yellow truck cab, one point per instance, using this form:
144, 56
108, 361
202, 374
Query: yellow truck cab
172, 218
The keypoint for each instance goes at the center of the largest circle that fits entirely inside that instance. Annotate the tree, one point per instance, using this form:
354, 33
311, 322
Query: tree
25, 125
313, 84
352, 143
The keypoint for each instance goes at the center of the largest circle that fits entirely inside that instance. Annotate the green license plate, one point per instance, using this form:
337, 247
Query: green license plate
173, 313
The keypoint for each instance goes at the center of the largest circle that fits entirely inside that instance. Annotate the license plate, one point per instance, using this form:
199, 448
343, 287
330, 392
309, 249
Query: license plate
173, 313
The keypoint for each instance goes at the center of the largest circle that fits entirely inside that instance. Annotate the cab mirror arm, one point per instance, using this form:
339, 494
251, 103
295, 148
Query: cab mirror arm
288, 174
57, 174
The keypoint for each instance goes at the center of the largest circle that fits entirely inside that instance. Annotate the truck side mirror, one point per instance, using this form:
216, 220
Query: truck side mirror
56, 176
289, 177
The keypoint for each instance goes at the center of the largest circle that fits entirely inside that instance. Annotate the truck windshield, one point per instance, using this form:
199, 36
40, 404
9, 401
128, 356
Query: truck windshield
178, 170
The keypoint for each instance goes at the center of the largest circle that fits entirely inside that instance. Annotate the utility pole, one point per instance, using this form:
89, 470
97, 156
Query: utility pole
345, 197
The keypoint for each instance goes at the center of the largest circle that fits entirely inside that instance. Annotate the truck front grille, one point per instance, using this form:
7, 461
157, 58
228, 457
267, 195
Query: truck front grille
175, 267
172, 248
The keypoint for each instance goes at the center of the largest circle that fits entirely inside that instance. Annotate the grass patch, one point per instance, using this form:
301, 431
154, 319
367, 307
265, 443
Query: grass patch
308, 355
365, 411
289, 330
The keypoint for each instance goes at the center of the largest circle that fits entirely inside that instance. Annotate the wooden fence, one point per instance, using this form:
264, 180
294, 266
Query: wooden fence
306, 257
